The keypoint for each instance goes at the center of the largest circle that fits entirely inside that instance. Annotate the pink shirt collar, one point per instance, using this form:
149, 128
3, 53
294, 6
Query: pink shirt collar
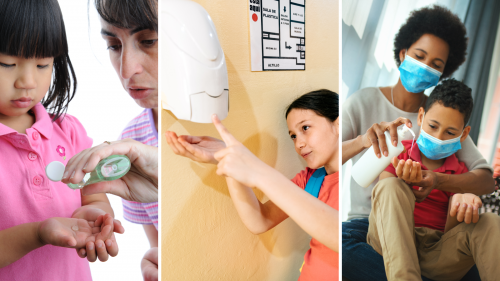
43, 123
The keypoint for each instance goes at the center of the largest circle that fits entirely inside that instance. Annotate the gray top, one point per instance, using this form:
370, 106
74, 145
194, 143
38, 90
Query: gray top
368, 106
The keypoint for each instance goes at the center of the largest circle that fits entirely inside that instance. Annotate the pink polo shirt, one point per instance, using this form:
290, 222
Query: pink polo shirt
26, 195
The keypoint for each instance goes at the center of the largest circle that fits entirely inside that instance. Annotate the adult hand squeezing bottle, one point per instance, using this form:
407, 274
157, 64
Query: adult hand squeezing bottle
108, 169
369, 167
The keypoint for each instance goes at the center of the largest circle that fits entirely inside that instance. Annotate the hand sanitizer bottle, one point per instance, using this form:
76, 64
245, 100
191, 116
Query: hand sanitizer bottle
108, 169
369, 167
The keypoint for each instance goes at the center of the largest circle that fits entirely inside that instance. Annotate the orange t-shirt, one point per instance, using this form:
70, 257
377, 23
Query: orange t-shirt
320, 263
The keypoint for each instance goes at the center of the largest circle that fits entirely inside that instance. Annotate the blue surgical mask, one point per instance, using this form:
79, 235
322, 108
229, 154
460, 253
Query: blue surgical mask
434, 148
417, 76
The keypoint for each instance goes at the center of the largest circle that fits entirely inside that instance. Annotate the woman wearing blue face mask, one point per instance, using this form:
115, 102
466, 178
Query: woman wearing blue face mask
430, 46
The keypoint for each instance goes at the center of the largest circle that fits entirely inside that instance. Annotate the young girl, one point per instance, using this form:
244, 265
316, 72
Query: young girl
40, 219
313, 126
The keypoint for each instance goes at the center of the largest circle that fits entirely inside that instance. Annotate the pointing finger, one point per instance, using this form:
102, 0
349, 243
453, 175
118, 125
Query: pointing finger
224, 133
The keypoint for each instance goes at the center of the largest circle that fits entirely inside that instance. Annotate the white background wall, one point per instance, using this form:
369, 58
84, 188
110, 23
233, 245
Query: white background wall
104, 108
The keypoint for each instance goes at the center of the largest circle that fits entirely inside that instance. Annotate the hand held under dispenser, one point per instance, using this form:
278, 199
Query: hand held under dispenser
369, 167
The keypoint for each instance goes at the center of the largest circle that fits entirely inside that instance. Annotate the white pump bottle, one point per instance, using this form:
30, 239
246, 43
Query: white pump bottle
369, 167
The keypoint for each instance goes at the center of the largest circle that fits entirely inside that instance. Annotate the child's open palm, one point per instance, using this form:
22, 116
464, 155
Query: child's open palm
104, 243
71, 232
465, 207
200, 149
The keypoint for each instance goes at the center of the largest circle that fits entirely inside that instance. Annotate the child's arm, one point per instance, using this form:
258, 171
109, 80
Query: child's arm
18, 241
100, 201
314, 216
92, 207
257, 217
463, 208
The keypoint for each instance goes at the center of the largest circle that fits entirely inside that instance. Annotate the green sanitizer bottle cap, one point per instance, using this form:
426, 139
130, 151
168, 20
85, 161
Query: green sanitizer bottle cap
108, 169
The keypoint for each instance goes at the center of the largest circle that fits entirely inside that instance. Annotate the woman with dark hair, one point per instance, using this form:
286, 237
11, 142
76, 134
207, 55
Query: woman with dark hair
313, 126
430, 46
130, 29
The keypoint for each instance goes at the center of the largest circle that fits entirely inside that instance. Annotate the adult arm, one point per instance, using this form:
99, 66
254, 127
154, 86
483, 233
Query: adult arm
140, 184
374, 136
353, 144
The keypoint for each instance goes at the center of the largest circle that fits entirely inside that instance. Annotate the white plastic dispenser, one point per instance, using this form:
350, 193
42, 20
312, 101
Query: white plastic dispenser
369, 167
194, 79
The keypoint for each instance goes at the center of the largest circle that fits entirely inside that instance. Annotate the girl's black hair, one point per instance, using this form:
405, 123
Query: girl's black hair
35, 29
323, 102
441, 23
129, 13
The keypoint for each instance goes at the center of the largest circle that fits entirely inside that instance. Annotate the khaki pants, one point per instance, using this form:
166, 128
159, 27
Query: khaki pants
410, 252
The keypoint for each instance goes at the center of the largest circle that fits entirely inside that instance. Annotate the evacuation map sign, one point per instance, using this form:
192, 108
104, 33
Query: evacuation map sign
277, 34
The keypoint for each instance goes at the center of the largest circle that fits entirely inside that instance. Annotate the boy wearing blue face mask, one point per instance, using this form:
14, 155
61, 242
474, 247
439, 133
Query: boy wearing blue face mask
428, 238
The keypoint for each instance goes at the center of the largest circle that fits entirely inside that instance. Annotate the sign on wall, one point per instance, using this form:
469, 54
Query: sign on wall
277, 35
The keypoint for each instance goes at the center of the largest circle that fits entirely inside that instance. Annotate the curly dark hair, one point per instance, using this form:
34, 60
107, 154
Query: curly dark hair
439, 22
454, 94
323, 102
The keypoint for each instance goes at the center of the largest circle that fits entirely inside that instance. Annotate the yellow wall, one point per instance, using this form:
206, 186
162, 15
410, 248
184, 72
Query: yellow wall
202, 236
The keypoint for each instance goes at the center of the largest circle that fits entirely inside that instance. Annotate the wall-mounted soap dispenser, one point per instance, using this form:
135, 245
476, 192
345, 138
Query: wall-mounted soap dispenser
193, 82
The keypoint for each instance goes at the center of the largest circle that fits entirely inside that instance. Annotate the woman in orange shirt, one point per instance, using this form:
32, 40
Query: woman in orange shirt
313, 126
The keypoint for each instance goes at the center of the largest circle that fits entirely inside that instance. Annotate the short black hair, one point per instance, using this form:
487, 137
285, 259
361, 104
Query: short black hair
454, 94
129, 13
441, 23
35, 29
323, 102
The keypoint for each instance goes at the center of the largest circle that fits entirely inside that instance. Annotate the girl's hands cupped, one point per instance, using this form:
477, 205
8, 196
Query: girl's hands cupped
236, 161
72, 232
375, 135
103, 245
199, 149
140, 184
